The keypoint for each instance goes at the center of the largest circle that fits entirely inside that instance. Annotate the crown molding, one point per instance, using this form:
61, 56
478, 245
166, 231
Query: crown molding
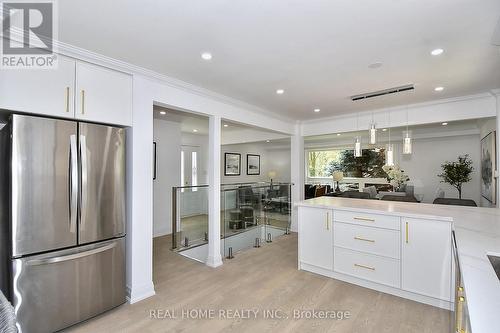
403, 107
128, 68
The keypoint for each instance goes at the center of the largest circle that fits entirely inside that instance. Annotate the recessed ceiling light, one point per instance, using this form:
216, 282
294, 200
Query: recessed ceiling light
163, 112
317, 110
375, 65
280, 91
338, 134
226, 125
439, 89
384, 129
444, 124
436, 52
195, 130
268, 141
206, 56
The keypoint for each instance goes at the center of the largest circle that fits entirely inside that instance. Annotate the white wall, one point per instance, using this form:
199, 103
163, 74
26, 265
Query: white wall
425, 164
167, 135
279, 160
271, 158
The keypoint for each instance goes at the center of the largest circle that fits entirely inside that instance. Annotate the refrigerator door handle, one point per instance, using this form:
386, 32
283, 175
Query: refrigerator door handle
53, 260
84, 180
73, 181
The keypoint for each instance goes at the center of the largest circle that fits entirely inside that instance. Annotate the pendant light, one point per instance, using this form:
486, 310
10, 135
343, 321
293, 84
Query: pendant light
357, 147
357, 142
407, 138
373, 132
389, 150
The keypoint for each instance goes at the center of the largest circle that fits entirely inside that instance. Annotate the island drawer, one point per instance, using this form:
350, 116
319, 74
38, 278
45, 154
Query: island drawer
367, 266
367, 219
383, 242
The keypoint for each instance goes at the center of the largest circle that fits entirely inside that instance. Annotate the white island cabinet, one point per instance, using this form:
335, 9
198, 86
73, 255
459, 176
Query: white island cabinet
372, 244
426, 258
73, 90
316, 237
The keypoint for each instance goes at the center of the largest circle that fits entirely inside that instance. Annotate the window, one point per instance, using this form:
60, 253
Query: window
321, 163
189, 166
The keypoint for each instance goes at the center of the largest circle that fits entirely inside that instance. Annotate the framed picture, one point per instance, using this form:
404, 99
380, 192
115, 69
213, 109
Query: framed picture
232, 164
154, 160
253, 164
488, 167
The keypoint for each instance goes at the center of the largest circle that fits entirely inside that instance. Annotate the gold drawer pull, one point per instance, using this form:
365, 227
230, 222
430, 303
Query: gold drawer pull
364, 239
366, 267
364, 219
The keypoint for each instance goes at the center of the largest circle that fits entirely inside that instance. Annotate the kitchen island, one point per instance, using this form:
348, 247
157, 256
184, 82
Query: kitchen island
406, 249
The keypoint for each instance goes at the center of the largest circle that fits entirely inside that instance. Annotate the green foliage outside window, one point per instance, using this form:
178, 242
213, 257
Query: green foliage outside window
369, 165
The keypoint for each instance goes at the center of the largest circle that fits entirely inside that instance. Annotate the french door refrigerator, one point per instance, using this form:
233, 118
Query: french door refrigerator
63, 220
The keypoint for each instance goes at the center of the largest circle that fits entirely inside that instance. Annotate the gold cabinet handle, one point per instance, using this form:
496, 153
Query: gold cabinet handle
460, 288
364, 239
327, 220
67, 99
461, 299
83, 101
364, 219
406, 232
365, 267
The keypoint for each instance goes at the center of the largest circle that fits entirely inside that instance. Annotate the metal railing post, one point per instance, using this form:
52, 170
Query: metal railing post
174, 218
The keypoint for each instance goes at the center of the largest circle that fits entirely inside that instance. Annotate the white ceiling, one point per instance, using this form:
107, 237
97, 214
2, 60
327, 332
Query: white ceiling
318, 51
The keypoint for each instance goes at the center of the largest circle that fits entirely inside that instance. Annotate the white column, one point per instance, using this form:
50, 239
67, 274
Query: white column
497, 173
140, 197
214, 258
298, 172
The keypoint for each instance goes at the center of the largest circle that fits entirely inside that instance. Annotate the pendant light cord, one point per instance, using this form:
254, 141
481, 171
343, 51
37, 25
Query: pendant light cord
389, 127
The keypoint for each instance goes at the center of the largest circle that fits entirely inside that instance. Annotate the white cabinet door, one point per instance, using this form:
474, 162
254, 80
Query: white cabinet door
426, 257
316, 237
40, 91
103, 95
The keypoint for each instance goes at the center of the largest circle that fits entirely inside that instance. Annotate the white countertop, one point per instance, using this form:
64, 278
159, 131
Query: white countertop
477, 231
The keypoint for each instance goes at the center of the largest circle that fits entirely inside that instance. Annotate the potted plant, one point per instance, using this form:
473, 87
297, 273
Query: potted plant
396, 177
457, 173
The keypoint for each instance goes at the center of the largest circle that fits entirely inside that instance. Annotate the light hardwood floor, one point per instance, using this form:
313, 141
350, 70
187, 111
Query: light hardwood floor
263, 279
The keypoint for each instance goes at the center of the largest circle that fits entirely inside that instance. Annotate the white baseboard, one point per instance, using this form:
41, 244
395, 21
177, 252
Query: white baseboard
379, 287
139, 293
161, 232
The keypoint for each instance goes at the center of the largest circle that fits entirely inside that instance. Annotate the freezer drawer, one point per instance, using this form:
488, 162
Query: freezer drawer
55, 290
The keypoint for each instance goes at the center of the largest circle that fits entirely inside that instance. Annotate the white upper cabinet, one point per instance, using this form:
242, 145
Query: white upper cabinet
426, 257
103, 95
40, 91
72, 90
316, 237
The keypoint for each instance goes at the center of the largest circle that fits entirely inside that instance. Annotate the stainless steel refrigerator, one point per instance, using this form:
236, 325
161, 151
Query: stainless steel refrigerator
62, 219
